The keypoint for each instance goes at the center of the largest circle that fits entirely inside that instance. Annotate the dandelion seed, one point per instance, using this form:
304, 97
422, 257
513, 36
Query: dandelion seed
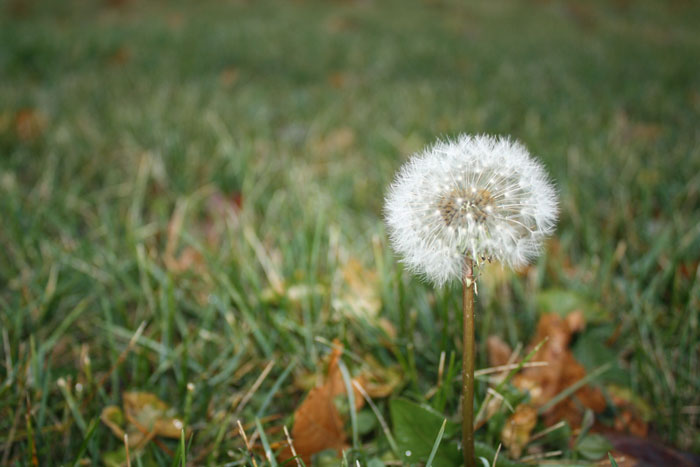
493, 202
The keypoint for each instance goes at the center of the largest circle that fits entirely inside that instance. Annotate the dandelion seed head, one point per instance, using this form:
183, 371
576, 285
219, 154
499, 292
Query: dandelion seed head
480, 197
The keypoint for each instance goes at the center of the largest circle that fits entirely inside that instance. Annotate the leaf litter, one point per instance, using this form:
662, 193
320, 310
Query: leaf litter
142, 419
559, 395
319, 424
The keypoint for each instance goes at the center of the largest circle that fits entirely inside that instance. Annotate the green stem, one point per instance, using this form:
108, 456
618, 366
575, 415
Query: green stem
468, 351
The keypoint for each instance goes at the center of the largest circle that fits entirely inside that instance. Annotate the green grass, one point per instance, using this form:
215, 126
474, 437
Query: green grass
302, 111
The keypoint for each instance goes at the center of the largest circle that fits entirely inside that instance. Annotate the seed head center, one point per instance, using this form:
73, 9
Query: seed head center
461, 205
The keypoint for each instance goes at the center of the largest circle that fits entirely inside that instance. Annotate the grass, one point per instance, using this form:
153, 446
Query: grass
257, 140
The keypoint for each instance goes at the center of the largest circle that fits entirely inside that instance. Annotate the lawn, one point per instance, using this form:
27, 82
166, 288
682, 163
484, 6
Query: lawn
191, 200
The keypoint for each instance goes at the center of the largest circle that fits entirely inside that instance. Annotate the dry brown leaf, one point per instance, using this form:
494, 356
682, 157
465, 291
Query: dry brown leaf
516, 432
113, 417
562, 371
334, 380
144, 417
632, 412
318, 424
362, 294
379, 381
148, 411
498, 351
576, 321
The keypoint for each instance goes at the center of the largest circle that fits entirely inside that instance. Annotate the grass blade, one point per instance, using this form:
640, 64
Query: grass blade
88, 436
266, 445
351, 402
436, 444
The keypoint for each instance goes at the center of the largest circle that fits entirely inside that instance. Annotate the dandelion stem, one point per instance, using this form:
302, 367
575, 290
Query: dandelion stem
468, 351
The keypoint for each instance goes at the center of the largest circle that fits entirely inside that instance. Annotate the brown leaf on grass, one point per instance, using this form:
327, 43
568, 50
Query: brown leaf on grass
516, 432
378, 381
562, 371
498, 351
576, 321
318, 424
113, 417
334, 379
361, 294
147, 410
144, 417
632, 412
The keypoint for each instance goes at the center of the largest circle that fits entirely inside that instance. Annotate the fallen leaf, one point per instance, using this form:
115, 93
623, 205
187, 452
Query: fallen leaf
498, 351
147, 410
632, 412
576, 321
334, 380
113, 417
516, 432
318, 425
361, 294
562, 371
144, 417
379, 381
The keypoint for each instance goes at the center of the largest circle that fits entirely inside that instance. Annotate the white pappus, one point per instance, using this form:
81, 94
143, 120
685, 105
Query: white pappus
478, 197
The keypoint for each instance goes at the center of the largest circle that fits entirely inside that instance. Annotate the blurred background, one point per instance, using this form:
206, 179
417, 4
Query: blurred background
191, 212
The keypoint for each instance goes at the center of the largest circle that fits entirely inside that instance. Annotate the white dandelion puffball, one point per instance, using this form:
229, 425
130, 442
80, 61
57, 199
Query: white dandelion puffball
477, 197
